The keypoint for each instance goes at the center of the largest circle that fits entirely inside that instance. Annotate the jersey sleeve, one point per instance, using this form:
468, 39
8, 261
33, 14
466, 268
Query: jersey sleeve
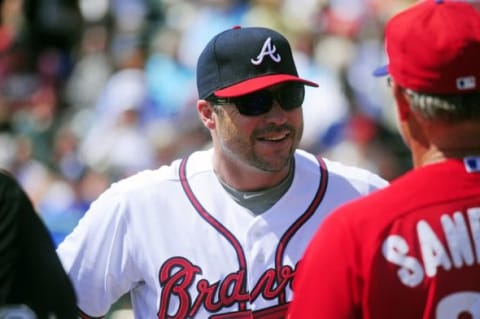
97, 255
324, 282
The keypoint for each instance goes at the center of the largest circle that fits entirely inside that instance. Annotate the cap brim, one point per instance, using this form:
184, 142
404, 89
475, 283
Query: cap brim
381, 71
260, 83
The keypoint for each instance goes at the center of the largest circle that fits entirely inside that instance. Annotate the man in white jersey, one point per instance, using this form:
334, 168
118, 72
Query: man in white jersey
217, 234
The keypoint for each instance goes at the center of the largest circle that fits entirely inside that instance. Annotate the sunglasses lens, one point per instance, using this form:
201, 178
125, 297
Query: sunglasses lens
291, 96
255, 103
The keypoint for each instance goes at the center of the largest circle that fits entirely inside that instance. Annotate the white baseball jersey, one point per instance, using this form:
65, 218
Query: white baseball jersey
184, 248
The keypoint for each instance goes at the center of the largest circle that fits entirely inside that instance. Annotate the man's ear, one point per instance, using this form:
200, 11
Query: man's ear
206, 114
401, 101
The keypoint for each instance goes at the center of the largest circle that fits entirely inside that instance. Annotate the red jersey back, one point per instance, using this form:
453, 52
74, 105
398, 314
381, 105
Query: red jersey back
411, 250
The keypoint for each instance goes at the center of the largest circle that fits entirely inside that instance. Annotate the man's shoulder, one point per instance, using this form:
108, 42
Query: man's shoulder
11, 192
164, 175
392, 198
338, 168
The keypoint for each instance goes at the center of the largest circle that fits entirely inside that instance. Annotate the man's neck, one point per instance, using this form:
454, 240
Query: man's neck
449, 141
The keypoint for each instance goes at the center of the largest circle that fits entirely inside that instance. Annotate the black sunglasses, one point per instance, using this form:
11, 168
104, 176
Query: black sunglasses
289, 97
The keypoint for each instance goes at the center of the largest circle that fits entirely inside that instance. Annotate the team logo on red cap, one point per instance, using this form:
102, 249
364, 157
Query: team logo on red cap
466, 83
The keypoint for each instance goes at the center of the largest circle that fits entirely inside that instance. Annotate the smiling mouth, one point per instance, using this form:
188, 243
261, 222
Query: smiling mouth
275, 138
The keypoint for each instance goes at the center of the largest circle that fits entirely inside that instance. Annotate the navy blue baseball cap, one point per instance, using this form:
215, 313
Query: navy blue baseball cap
239, 61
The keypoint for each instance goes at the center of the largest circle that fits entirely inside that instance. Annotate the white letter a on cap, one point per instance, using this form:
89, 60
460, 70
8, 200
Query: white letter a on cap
267, 49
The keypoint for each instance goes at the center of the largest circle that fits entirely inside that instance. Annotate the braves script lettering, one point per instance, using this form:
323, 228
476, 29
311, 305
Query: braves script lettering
178, 275
267, 49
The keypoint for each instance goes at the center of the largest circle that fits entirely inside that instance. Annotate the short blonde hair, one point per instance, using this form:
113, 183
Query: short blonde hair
446, 107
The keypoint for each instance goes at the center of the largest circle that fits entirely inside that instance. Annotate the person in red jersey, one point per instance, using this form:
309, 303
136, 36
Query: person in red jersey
412, 250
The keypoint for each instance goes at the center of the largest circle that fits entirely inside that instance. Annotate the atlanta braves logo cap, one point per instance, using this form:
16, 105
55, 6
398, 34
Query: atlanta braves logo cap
239, 61
434, 47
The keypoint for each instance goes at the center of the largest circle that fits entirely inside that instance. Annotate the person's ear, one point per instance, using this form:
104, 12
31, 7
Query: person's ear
402, 103
206, 113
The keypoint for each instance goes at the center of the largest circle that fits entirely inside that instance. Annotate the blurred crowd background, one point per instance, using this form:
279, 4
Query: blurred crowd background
92, 91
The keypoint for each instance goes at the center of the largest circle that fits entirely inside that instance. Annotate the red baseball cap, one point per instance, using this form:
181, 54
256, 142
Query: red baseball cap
434, 47
239, 61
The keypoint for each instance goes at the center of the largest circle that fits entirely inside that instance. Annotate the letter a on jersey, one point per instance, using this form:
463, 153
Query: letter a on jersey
267, 49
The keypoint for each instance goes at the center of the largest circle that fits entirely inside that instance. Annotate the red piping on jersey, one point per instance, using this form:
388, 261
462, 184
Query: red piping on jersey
216, 224
322, 186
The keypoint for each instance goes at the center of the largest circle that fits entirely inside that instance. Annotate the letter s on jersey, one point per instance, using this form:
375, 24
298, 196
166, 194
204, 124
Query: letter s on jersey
395, 250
